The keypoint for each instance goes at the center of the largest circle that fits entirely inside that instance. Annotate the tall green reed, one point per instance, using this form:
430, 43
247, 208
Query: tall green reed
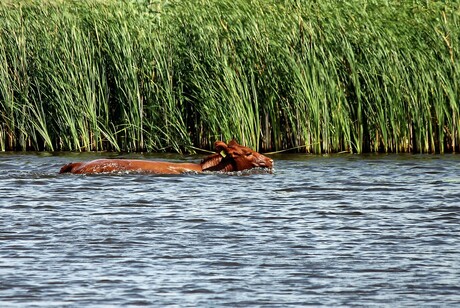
316, 76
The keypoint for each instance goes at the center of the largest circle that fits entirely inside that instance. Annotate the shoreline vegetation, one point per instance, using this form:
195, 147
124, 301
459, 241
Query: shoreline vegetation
316, 76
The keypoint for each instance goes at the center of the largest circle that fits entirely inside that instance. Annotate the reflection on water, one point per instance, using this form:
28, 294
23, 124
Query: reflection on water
337, 230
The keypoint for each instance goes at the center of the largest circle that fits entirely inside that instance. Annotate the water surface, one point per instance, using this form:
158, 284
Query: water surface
341, 230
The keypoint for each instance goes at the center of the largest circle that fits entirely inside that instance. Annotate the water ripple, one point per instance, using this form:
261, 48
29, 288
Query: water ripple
334, 231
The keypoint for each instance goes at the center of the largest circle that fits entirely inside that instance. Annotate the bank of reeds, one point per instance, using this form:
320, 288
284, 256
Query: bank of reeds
319, 76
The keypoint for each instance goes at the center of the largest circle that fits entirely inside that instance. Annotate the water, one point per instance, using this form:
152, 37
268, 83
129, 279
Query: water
336, 231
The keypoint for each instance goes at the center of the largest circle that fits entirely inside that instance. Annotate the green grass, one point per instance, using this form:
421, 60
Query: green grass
317, 76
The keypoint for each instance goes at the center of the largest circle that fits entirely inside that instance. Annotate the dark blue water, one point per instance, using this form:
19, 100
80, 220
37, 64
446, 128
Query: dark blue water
335, 231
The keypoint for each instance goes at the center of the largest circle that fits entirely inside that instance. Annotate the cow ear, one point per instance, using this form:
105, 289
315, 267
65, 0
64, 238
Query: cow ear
233, 143
221, 146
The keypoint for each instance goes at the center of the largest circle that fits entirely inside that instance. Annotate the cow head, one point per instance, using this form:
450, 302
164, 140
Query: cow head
235, 157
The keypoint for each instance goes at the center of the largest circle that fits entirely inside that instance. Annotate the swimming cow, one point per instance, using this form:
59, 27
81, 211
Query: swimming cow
229, 157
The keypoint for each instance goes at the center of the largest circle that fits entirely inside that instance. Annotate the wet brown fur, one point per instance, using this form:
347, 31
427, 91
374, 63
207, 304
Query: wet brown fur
235, 158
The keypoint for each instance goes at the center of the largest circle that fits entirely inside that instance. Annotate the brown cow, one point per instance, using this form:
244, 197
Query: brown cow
230, 157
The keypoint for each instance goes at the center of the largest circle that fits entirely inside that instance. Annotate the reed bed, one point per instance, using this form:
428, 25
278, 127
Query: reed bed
315, 76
